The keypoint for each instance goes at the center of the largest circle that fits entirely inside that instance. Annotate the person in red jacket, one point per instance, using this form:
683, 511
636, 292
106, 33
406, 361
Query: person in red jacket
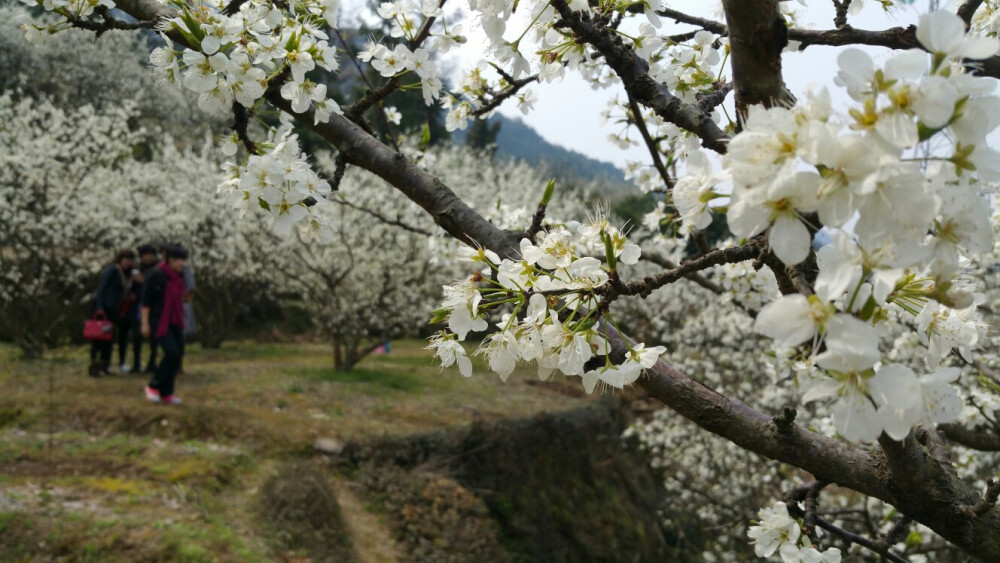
163, 317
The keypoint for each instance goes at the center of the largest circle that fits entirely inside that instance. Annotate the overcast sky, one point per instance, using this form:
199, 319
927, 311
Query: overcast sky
568, 113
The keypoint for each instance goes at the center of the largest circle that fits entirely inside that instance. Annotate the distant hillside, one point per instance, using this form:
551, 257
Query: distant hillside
518, 140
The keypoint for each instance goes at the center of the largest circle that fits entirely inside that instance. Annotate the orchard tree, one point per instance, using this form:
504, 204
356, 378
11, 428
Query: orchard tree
50, 248
353, 284
374, 276
897, 179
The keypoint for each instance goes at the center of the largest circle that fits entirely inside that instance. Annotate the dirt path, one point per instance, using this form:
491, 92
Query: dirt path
373, 543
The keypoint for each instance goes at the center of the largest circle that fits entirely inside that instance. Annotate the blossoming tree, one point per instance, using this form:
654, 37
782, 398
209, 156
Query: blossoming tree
897, 179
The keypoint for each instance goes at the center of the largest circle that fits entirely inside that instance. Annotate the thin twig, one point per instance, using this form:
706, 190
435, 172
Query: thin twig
731, 255
240, 123
394, 222
841, 6
988, 501
108, 22
696, 278
503, 95
390, 86
651, 145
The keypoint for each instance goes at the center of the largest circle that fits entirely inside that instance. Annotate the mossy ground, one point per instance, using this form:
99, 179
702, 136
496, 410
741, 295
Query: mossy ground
91, 472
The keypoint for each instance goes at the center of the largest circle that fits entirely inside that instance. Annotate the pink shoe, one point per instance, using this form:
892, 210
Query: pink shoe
152, 395
171, 400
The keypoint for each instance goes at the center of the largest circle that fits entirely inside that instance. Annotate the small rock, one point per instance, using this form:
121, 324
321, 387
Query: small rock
328, 446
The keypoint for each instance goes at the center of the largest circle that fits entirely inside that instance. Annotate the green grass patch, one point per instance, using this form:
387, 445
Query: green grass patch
111, 464
378, 381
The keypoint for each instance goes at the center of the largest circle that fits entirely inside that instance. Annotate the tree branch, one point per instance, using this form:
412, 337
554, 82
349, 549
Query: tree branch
695, 277
634, 73
757, 37
717, 257
708, 102
967, 10
841, 7
505, 94
390, 86
394, 222
892, 38
241, 120
715, 27
977, 438
651, 145
108, 22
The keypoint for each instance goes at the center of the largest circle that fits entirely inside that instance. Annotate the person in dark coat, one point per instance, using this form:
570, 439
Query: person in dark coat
163, 316
114, 300
148, 261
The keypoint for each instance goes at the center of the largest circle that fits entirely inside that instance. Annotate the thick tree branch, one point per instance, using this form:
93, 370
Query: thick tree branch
978, 438
447, 209
931, 492
893, 37
757, 37
968, 9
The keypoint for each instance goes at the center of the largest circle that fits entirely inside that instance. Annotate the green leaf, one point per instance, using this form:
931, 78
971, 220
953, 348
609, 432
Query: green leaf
425, 136
609, 251
194, 27
263, 204
926, 132
550, 188
440, 315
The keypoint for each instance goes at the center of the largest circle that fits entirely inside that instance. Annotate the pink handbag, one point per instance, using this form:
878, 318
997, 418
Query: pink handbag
98, 328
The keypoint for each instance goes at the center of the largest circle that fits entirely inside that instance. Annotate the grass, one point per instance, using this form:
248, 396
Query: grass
92, 472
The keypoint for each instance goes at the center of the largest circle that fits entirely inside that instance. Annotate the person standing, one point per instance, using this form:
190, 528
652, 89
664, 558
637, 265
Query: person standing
114, 300
163, 316
147, 263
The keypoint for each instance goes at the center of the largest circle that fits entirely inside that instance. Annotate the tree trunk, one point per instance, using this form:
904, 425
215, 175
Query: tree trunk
339, 356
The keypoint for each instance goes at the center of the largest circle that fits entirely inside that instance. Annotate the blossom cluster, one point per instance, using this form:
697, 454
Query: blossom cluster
550, 304
896, 186
778, 532
279, 181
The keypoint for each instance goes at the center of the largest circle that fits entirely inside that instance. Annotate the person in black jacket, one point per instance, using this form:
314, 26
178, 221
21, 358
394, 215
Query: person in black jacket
148, 261
114, 299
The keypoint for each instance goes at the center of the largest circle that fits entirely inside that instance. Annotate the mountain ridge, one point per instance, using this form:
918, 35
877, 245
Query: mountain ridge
518, 140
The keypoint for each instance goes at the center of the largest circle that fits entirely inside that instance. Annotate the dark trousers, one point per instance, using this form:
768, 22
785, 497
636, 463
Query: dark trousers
172, 344
101, 351
154, 343
125, 326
